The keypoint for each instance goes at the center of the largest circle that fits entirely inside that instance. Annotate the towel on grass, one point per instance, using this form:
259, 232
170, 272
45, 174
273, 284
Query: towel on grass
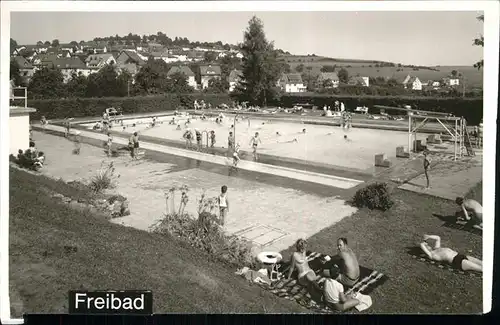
290, 289
365, 302
416, 253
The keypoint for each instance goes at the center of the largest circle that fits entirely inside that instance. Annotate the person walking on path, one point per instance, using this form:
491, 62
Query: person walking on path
109, 144
427, 164
134, 145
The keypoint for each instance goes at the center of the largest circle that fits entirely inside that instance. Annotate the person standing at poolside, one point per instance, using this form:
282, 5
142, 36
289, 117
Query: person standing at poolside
230, 143
109, 144
223, 204
254, 142
427, 164
134, 143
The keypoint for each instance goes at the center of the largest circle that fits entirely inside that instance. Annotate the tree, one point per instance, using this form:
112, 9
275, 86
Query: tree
47, 83
343, 75
299, 68
210, 56
260, 69
105, 83
216, 85
152, 77
479, 42
13, 45
15, 74
77, 85
177, 83
55, 43
46, 43
328, 68
454, 73
39, 43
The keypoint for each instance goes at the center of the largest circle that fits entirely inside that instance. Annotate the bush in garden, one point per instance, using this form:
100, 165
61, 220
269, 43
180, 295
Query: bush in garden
373, 196
203, 231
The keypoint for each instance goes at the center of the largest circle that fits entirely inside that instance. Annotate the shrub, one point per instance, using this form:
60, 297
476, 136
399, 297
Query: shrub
105, 178
204, 231
373, 196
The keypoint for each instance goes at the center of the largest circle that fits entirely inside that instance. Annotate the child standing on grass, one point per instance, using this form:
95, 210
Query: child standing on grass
427, 163
223, 204
109, 143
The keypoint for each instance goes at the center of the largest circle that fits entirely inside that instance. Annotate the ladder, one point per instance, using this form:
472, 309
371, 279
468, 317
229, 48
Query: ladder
467, 141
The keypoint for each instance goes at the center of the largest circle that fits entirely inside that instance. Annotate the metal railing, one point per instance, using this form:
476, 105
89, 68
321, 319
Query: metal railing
24, 97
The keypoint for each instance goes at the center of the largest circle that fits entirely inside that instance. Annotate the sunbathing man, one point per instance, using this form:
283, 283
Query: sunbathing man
471, 211
449, 256
349, 266
305, 275
334, 296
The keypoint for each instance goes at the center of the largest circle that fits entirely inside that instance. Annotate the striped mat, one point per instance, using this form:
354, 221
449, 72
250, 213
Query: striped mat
290, 289
417, 254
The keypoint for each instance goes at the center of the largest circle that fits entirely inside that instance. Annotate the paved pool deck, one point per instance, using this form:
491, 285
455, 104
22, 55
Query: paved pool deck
273, 217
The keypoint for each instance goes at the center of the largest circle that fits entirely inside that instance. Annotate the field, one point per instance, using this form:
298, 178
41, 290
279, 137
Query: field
473, 77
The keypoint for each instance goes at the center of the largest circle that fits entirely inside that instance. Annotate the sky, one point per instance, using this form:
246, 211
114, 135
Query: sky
419, 38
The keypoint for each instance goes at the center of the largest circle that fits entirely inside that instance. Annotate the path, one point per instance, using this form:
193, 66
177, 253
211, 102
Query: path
256, 208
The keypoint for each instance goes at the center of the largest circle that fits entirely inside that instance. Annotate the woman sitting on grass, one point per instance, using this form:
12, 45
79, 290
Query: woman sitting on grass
305, 275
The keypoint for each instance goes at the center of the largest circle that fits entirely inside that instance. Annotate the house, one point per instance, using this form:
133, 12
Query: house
451, 81
431, 84
233, 79
94, 47
208, 72
97, 61
412, 83
26, 69
67, 47
190, 76
332, 76
70, 66
239, 55
127, 57
359, 81
291, 83
65, 54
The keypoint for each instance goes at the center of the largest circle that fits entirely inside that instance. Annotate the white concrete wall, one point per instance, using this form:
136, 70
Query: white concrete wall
19, 132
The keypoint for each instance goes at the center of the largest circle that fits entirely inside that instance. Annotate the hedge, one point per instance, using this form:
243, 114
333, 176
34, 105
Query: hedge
470, 108
86, 107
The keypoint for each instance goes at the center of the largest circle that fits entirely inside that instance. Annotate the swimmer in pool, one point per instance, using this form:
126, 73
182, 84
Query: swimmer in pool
346, 138
178, 126
304, 131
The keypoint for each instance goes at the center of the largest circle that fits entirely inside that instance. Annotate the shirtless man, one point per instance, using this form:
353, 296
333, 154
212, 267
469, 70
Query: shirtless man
470, 210
349, 267
448, 255
254, 142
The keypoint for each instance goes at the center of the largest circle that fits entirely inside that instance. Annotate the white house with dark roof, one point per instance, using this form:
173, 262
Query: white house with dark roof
412, 82
70, 66
332, 76
98, 61
190, 76
233, 79
292, 83
208, 72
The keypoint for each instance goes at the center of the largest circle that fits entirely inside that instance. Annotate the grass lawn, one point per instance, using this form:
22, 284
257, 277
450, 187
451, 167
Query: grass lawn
111, 256
380, 240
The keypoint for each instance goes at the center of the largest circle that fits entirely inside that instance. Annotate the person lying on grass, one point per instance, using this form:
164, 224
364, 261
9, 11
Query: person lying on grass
449, 256
471, 211
335, 298
305, 275
349, 266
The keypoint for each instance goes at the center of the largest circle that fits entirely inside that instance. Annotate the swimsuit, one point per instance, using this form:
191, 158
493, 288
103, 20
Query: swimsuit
457, 261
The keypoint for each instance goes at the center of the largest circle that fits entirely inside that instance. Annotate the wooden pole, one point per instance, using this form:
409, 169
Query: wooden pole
409, 134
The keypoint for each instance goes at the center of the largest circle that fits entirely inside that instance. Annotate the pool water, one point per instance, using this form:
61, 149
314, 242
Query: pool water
320, 143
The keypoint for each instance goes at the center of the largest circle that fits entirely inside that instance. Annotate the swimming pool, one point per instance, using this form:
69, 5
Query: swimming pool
320, 143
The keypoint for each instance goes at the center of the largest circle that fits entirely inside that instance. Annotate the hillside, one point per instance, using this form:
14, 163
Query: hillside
367, 68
